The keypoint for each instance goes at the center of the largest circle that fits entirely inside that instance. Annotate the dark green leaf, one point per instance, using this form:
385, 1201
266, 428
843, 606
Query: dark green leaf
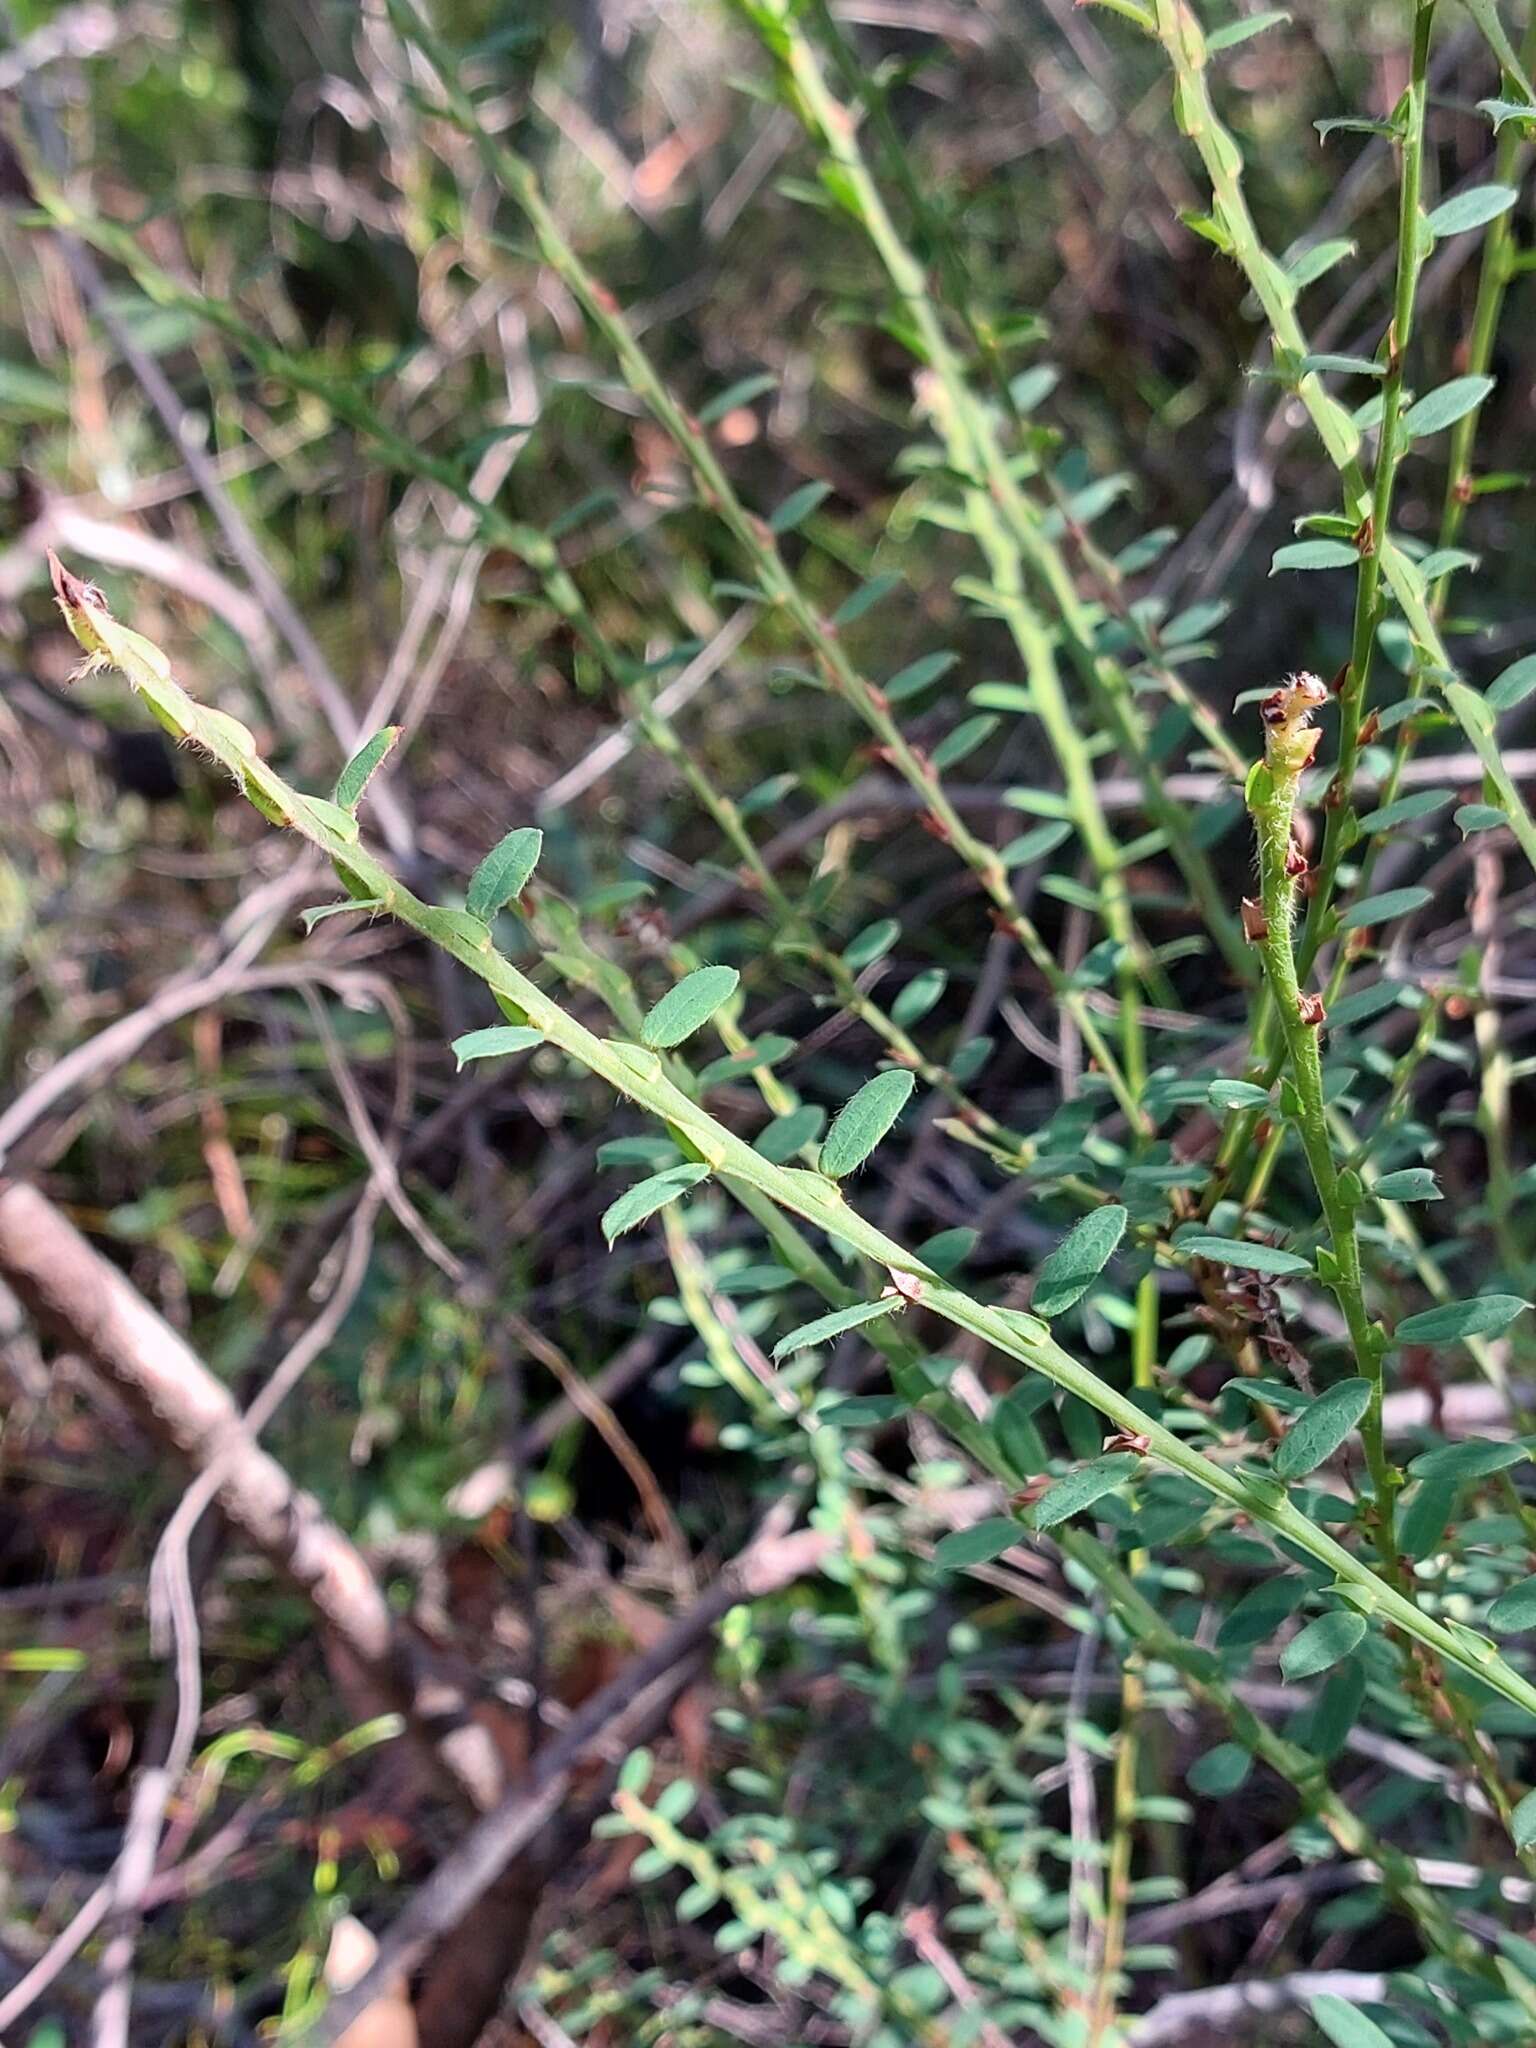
790, 1133
1219, 1772
826, 1327
1383, 908
860, 1411
766, 1051
917, 675
1078, 1260
1035, 845
919, 996
1337, 1709
687, 1005
864, 599
1522, 1822
1080, 1489
1515, 1609
870, 944
1422, 1522
1476, 1457
1260, 1612
1237, 1095
1317, 261
1321, 1644
797, 506
1405, 810
643, 1200
1250, 1258
948, 1251
505, 872
977, 1545
1321, 1427
964, 740
1014, 1430
1484, 1315
861, 1123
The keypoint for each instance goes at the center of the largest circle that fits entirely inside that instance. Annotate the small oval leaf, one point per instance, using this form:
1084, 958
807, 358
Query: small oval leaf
494, 1042
1322, 1643
1078, 1260
862, 1122
1346, 2025
1080, 1489
1473, 208
692, 1002
1446, 404
1512, 685
977, 1545
1321, 1427
1515, 1609
1408, 1184
1315, 554
505, 872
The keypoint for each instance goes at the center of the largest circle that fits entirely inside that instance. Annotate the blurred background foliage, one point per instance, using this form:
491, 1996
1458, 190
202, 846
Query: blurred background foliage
279, 155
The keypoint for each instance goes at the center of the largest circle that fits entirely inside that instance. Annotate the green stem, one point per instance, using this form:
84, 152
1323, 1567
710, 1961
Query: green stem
1272, 787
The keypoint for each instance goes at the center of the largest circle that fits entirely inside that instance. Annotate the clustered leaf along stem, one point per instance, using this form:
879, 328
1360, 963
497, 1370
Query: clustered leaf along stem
1290, 740
640, 1074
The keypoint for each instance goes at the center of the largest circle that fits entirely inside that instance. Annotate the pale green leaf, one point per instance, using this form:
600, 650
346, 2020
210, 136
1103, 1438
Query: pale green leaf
1446, 404
862, 1122
495, 1042
687, 1005
505, 872
834, 1324
647, 1196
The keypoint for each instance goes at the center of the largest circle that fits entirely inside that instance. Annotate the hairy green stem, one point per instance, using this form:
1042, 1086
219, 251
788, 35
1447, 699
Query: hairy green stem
1272, 787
